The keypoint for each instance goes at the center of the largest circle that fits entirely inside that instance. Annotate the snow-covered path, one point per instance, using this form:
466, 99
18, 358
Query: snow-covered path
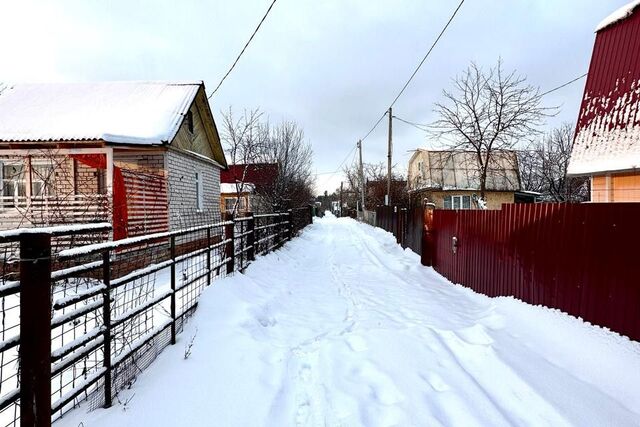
341, 327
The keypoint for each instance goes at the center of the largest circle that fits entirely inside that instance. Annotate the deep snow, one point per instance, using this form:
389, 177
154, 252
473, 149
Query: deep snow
341, 327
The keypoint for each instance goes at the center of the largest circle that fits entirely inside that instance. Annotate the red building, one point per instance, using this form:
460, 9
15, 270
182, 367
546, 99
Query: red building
241, 186
607, 141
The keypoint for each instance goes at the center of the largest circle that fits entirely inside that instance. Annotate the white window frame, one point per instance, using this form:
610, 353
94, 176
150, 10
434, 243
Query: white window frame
199, 192
459, 198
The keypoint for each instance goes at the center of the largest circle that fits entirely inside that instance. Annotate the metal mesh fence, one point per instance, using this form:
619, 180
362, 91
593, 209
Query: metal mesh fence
116, 305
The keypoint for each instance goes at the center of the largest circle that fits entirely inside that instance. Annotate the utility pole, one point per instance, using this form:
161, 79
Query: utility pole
340, 198
388, 198
361, 177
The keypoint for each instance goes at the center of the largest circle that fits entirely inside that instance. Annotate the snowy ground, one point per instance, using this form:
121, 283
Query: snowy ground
341, 327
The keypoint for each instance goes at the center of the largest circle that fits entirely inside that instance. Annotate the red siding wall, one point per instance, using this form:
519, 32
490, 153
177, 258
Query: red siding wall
615, 66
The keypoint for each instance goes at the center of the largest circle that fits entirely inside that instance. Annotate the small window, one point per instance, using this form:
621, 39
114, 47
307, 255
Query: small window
199, 191
457, 202
189, 119
229, 203
447, 202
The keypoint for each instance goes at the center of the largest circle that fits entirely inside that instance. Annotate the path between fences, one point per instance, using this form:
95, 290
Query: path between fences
342, 327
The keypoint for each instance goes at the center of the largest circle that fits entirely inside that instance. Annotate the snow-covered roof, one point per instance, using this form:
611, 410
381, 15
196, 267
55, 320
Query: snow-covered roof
459, 170
620, 14
116, 112
226, 188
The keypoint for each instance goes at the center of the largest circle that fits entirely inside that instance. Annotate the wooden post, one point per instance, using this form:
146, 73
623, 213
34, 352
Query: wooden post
389, 154
361, 173
106, 319
251, 238
229, 246
35, 330
172, 249
290, 231
340, 199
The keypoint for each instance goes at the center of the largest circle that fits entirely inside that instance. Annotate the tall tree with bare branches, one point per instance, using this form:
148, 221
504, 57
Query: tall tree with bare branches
488, 111
543, 167
244, 139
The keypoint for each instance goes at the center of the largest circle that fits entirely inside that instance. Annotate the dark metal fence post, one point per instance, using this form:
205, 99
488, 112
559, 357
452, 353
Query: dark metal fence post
173, 289
208, 257
106, 316
310, 215
35, 330
251, 238
229, 246
428, 242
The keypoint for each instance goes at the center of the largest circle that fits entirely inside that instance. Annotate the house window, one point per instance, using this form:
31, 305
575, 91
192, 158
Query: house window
189, 120
230, 203
14, 183
199, 195
457, 202
42, 176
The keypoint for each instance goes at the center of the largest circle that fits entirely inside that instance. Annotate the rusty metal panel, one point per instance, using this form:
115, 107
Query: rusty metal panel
578, 258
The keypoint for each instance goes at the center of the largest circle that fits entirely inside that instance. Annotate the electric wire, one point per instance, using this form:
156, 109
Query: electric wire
243, 49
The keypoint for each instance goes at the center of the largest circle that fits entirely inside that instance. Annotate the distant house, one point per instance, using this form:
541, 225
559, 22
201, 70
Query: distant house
451, 179
607, 141
144, 155
244, 185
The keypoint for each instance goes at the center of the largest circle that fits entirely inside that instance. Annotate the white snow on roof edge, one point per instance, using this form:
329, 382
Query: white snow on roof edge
620, 14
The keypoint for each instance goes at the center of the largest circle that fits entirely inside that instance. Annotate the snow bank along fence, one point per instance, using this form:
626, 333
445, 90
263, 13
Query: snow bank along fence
579, 258
82, 316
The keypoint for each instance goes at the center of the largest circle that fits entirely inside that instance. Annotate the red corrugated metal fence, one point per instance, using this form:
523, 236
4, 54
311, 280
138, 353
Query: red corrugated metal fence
580, 258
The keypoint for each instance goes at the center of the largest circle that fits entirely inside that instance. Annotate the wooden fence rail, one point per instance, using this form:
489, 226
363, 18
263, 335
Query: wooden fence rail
579, 258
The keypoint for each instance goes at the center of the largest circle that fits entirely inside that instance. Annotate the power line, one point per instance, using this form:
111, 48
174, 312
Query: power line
416, 125
243, 49
427, 55
420, 126
563, 85
417, 68
340, 165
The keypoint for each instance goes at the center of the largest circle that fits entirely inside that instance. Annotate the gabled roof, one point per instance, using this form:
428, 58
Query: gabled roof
259, 174
116, 112
617, 16
607, 135
459, 170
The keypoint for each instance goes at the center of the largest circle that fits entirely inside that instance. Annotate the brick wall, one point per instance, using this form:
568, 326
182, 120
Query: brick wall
147, 162
182, 170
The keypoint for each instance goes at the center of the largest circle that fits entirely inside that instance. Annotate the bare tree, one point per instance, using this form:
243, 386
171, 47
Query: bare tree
244, 139
287, 147
375, 176
543, 167
487, 112
250, 140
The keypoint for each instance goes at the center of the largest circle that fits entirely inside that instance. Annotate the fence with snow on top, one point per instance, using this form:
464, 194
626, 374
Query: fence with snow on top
111, 306
579, 258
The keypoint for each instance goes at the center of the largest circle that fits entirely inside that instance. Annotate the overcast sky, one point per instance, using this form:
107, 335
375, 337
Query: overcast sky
333, 66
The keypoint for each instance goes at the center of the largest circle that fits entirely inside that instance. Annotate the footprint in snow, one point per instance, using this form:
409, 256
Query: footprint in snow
357, 343
436, 382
